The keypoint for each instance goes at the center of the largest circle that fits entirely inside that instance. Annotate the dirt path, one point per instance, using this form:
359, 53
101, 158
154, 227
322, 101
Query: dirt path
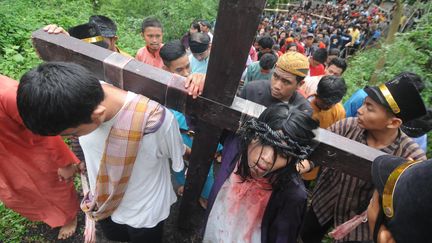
42, 233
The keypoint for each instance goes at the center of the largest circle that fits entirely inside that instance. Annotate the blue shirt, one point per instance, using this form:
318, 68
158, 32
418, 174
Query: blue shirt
254, 73
422, 142
354, 103
198, 66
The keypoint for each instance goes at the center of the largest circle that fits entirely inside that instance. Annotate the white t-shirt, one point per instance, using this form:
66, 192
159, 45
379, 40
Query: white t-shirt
149, 193
310, 85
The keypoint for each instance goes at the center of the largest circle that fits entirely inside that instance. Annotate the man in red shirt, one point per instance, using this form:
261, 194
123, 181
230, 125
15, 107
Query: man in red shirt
30, 169
152, 32
316, 62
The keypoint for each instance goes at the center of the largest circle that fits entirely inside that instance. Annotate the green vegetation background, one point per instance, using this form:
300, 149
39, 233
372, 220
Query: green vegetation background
411, 51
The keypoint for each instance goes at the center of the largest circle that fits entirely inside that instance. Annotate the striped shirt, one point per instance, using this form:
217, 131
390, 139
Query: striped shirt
339, 196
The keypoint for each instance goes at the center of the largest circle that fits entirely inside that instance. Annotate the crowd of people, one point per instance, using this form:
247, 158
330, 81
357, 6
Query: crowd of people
128, 144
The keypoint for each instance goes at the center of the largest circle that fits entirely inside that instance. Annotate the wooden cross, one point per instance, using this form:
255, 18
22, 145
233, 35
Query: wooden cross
218, 108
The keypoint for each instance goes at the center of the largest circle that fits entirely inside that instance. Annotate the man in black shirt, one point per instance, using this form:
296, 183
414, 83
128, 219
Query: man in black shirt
290, 70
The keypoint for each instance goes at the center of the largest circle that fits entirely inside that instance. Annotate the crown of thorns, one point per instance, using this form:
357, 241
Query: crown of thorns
283, 144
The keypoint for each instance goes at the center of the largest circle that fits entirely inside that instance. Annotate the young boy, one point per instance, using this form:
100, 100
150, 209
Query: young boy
326, 105
338, 197
127, 141
199, 44
356, 100
400, 209
30, 168
316, 62
152, 32
336, 68
176, 61
262, 69
100, 30
327, 108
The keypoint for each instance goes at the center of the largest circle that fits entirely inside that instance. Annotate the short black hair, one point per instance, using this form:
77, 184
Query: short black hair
106, 25
334, 52
200, 37
339, 62
150, 22
320, 55
293, 123
331, 89
268, 61
206, 23
171, 51
196, 26
56, 96
266, 42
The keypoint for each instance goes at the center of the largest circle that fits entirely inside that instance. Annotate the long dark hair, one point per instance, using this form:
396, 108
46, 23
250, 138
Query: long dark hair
288, 130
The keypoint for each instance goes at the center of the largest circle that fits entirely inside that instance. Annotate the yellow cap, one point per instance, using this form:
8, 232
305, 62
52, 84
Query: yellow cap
295, 63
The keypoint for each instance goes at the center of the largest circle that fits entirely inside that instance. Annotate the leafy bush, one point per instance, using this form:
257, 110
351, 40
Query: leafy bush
12, 225
175, 15
18, 19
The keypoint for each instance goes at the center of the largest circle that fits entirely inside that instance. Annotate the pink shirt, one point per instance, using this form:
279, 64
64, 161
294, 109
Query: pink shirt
253, 54
145, 56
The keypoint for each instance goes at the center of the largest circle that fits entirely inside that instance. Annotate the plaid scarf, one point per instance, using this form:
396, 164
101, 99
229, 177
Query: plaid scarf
138, 117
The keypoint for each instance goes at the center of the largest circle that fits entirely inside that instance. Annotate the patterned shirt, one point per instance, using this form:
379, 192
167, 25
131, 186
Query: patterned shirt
340, 196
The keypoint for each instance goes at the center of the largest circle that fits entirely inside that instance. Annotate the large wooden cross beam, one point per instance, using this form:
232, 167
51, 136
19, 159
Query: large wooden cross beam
217, 109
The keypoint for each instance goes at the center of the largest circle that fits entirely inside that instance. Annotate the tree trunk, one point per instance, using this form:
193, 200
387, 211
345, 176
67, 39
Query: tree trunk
394, 25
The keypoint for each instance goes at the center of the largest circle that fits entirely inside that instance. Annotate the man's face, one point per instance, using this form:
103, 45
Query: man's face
97, 118
80, 130
261, 159
180, 66
193, 30
309, 41
313, 62
283, 85
292, 48
153, 37
203, 55
329, 59
333, 70
111, 43
204, 28
304, 29
373, 116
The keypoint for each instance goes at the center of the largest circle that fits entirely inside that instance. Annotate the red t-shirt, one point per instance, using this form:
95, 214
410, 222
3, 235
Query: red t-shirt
317, 70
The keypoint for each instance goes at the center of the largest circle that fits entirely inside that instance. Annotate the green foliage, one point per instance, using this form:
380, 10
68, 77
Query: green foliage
411, 51
175, 15
12, 225
18, 19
